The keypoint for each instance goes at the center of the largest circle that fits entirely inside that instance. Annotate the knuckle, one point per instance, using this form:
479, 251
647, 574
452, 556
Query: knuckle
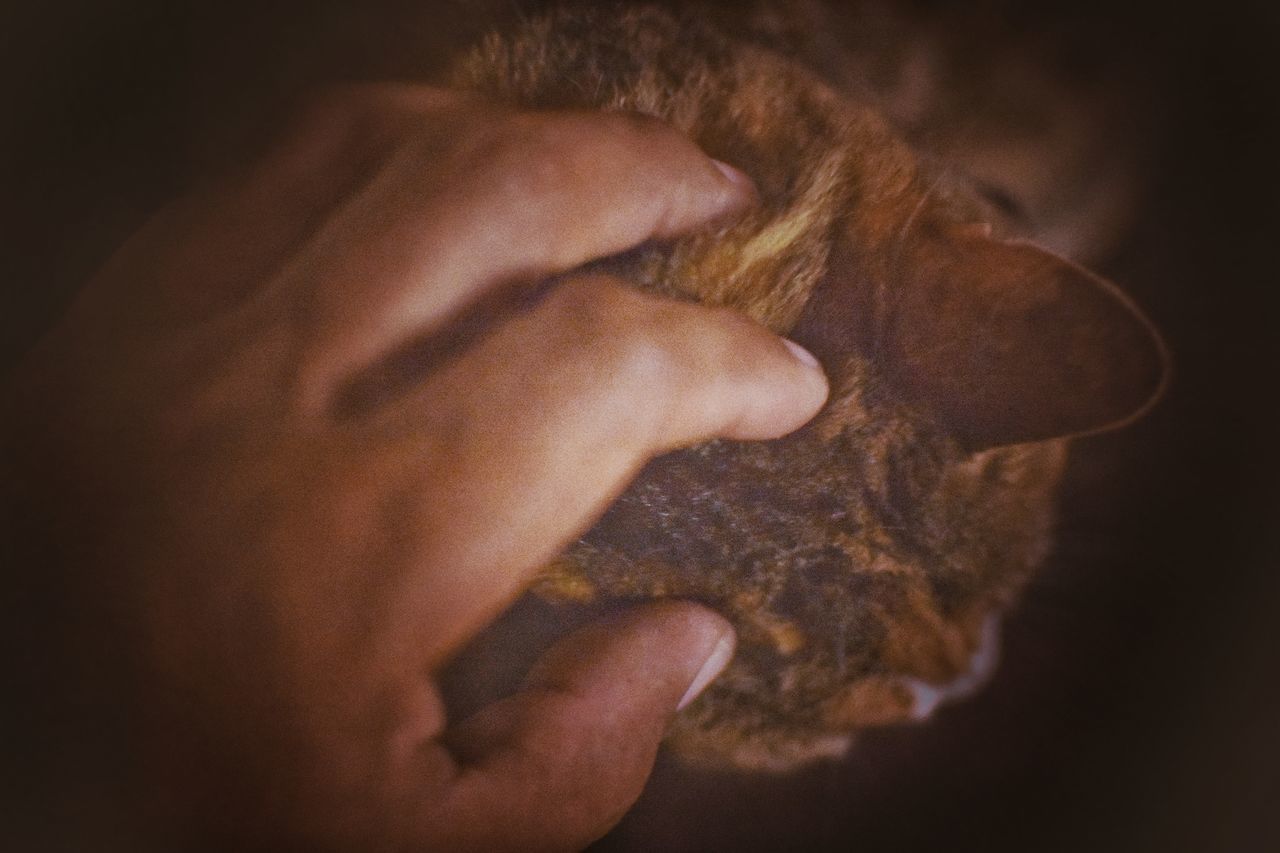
538, 154
662, 344
623, 336
634, 341
642, 357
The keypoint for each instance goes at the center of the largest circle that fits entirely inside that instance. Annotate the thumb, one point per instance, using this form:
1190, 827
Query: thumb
556, 765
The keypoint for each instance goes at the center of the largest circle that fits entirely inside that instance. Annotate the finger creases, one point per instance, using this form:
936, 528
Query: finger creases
557, 764
460, 207
537, 428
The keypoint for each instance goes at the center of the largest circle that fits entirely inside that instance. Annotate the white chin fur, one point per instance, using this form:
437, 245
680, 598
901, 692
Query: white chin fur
928, 697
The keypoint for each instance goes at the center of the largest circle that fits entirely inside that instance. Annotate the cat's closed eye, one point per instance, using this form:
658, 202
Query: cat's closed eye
1005, 203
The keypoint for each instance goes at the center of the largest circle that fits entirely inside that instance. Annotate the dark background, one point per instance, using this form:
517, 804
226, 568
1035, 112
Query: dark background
1138, 706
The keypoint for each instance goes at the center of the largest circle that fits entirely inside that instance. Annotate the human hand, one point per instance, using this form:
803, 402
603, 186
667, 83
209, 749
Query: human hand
308, 432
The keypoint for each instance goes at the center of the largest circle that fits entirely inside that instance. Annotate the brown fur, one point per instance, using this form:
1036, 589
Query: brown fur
861, 558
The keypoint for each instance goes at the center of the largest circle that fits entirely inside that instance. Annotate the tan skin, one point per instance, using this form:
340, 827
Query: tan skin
291, 570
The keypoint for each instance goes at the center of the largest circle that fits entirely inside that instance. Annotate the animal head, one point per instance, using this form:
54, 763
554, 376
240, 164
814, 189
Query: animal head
863, 558
859, 248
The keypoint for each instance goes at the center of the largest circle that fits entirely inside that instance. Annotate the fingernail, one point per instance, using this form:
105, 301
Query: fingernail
714, 665
736, 176
802, 355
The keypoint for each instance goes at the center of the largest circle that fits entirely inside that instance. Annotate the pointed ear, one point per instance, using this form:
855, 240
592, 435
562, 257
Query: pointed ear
1008, 343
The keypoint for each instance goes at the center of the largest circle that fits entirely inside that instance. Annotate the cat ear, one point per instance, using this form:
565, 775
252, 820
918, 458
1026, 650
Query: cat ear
1007, 343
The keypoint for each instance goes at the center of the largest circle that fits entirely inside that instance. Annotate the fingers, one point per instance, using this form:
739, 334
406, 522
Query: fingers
527, 437
385, 209
555, 766
488, 198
